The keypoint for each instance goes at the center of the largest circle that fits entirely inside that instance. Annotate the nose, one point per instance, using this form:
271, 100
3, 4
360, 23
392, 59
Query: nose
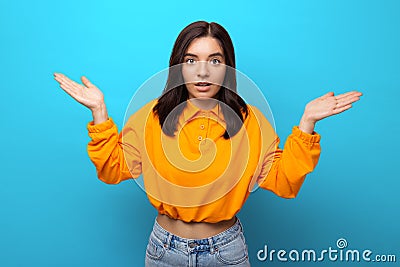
203, 71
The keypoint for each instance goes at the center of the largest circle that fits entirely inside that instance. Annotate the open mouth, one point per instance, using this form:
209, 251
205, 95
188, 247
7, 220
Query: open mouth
202, 84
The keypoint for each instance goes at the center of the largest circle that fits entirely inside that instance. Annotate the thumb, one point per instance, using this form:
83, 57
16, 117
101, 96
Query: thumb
327, 95
86, 81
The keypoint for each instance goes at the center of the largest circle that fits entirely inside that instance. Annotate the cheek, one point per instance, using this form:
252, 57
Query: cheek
189, 74
216, 88
189, 87
218, 76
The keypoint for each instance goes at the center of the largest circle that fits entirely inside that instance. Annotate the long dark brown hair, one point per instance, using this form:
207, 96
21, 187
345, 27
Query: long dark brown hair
175, 91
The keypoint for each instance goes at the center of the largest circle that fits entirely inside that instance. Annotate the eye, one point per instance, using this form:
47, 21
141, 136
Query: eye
215, 61
190, 61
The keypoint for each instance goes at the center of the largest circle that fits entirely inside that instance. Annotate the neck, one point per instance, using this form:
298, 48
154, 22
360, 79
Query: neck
204, 103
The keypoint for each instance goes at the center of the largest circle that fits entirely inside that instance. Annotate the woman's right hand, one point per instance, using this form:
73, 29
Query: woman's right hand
87, 94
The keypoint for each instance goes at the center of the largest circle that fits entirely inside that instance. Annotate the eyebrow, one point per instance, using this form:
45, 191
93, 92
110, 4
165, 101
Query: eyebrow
211, 55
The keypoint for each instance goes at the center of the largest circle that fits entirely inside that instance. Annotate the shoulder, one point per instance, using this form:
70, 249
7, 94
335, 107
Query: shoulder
142, 115
257, 120
255, 115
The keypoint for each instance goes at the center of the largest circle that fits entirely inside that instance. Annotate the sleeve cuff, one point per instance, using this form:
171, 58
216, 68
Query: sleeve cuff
101, 127
306, 137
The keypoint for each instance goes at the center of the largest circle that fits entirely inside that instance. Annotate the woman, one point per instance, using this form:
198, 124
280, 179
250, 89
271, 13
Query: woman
201, 149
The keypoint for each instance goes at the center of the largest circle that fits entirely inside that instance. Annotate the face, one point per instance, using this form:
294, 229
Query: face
204, 67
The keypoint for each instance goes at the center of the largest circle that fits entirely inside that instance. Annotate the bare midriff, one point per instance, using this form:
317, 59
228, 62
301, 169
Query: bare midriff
193, 230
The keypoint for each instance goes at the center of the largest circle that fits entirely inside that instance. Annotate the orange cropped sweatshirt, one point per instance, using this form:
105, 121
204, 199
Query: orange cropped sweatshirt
197, 175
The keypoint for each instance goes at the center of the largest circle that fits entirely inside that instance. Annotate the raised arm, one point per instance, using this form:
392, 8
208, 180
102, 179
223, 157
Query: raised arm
284, 171
106, 149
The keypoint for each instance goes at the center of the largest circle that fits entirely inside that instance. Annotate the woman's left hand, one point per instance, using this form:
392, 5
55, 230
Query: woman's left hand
325, 106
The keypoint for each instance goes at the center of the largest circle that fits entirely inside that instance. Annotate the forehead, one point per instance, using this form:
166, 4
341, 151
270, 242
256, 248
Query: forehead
204, 46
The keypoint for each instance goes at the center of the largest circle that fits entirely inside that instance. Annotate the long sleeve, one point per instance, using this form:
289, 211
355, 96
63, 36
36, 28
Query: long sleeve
107, 152
283, 171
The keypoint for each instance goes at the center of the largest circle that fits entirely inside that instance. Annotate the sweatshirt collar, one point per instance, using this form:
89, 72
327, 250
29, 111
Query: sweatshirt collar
191, 111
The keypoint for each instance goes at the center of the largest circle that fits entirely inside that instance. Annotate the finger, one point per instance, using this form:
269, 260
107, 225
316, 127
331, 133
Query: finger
68, 90
57, 74
348, 94
67, 85
66, 80
60, 76
86, 81
72, 92
73, 86
348, 100
62, 79
57, 78
70, 87
341, 109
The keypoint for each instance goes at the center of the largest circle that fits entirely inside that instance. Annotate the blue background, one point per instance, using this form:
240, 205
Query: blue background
55, 212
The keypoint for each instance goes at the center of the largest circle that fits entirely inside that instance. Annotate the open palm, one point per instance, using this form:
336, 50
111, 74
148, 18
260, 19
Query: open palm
325, 106
87, 94
329, 104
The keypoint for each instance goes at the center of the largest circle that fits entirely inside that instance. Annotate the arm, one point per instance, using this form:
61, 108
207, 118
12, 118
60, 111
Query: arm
284, 171
107, 152
106, 149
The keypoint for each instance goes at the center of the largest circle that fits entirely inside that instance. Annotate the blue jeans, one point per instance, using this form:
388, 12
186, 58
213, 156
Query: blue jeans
227, 248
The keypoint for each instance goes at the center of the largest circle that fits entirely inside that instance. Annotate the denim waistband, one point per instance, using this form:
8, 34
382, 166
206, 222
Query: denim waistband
211, 243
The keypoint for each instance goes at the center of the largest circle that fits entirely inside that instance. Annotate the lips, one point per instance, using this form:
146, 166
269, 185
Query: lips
202, 84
